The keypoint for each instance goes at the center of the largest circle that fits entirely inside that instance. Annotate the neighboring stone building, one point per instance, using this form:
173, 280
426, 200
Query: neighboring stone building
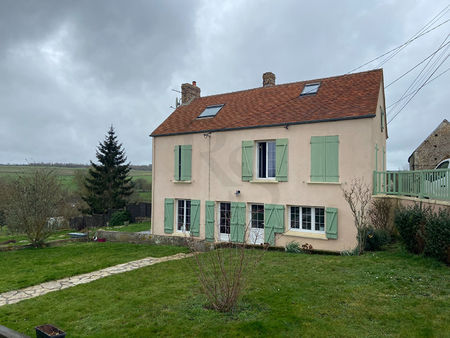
433, 150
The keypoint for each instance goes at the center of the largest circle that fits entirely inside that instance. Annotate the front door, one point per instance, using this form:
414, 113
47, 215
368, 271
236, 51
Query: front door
256, 235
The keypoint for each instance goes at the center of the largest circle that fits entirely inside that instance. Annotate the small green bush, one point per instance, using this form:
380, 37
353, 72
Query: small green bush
376, 239
410, 223
119, 218
293, 247
437, 240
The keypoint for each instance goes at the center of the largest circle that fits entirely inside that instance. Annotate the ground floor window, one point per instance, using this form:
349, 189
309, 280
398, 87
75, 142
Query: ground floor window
257, 216
307, 218
183, 215
224, 217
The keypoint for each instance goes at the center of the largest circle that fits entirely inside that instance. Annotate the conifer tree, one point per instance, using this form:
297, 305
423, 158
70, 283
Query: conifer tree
108, 184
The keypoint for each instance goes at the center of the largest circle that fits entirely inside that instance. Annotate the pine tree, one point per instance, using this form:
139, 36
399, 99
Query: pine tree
108, 183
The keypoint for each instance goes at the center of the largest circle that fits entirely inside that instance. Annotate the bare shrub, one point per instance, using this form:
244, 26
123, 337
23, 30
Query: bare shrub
33, 201
224, 272
358, 197
379, 211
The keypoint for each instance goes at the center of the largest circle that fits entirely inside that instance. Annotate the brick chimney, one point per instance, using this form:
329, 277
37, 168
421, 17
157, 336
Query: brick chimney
268, 79
189, 92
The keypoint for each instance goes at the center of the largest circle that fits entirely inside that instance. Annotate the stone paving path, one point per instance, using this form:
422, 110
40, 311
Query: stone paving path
15, 296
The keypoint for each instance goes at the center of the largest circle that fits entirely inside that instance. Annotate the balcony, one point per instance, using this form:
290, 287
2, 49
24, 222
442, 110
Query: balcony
429, 184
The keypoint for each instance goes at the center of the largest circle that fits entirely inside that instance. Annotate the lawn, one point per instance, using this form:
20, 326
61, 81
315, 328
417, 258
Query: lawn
21, 239
22, 268
389, 293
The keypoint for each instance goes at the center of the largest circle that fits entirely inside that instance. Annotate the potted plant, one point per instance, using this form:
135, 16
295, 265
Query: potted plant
48, 330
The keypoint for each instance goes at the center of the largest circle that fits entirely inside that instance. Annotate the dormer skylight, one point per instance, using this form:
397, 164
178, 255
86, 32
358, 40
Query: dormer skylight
310, 89
210, 111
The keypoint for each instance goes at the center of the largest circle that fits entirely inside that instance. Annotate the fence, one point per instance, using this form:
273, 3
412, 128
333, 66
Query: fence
431, 184
137, 212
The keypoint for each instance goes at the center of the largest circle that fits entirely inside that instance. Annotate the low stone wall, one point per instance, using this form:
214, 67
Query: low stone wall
405, 201
142, 238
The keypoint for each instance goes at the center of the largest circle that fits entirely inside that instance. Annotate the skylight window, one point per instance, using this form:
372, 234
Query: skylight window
211, 111
310, 89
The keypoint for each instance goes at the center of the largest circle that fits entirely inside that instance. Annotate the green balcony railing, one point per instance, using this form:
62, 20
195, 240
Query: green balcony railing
431, 184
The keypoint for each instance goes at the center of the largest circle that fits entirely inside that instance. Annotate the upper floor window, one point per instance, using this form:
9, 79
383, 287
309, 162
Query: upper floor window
266, 159
325, 159
183, 162
310, 89
271, 160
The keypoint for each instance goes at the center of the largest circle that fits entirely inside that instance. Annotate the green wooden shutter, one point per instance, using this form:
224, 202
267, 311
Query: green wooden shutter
247, 160
282, 159
186, 162
331, 223
237, 222
382, 118
209, 221
168, 215
317, 159
273, 222
332, 159
195, 218
177, 163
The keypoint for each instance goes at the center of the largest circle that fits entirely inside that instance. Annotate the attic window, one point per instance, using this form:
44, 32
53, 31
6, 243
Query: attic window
310, 89
210, 111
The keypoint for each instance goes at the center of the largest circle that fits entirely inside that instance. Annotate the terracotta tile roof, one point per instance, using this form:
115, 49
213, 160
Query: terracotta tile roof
341, 97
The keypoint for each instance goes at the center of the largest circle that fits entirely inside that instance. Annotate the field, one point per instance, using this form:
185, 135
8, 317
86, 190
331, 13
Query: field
67, 175
391, 293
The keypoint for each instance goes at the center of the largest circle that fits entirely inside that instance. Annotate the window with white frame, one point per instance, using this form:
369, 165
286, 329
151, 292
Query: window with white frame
257, 216
266, 159
183, 215
224, 218
310, 219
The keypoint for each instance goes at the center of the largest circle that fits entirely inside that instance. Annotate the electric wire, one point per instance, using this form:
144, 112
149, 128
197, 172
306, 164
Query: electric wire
417, 65
418, 89
419, 77
413, 38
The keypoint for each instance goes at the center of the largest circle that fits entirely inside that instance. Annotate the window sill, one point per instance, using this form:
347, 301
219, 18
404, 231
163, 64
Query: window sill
332, 183
294, 233
181, 182
264, 181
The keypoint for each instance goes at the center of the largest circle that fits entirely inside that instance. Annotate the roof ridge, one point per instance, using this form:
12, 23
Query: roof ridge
291, 83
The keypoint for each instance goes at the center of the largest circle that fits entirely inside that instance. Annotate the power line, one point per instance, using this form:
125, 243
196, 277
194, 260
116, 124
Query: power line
434, 78
418, 89
413, 38
417, 65
419, 76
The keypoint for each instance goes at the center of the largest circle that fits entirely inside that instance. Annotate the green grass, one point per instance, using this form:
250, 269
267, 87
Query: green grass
63, 234
23, 239
67, 175
383, 294
22, 268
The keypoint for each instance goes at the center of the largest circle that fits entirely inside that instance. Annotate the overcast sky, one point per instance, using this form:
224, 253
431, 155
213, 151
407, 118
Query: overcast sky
70, 69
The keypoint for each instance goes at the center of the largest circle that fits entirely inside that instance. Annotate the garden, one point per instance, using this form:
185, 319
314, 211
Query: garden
391, 292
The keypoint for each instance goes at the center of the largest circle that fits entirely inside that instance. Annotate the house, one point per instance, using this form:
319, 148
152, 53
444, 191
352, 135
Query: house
272, 160
434, 149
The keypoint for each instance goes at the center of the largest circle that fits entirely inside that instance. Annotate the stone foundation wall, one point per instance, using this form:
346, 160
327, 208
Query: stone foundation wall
142, 238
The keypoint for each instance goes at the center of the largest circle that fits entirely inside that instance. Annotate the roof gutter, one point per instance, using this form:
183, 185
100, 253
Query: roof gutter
287, 124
